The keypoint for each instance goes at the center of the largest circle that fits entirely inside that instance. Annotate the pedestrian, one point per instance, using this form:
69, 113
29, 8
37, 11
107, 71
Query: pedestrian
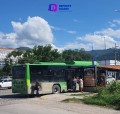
102, 81
74, 84
32, 90
81, 85
37, 87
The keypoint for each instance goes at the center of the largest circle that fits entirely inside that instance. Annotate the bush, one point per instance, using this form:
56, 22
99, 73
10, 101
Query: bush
109, 96
114, 87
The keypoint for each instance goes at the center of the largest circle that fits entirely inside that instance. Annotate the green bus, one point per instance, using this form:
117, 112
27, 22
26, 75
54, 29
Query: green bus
54, 77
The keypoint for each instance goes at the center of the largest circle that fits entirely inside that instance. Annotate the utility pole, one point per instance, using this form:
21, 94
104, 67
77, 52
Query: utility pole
105, 48
92, 56
115, 53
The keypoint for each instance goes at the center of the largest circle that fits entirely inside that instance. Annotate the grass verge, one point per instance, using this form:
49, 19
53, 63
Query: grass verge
83, 94
108, 97
72, 100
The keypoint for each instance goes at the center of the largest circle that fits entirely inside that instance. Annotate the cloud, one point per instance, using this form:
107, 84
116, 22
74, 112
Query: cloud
8, 40
56, 28
77, 45
63, 29
88, 40
98, 39
114, 23
60, 49
35, 31
109, 32
72, 32
75, 20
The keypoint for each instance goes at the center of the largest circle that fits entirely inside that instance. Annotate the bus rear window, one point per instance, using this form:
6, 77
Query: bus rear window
18, 72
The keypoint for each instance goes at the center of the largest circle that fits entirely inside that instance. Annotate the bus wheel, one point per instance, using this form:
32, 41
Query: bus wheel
56, 89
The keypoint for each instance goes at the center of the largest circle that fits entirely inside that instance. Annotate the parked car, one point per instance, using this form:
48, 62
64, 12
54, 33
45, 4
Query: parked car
6, 83
110, 79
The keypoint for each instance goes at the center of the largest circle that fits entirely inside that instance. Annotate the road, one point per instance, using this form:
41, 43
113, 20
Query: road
46, 104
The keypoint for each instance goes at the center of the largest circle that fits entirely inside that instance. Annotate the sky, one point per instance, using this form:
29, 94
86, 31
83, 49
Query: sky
86, 24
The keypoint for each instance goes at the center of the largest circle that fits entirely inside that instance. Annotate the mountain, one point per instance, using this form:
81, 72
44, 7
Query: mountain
23, 48
108, 54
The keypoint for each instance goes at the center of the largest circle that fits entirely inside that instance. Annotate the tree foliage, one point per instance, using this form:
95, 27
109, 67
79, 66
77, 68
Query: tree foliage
40, 53
76, 55
44, 54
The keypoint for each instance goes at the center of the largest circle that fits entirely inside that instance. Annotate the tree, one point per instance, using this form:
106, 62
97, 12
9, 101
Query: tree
46, 54
7, 69
40, 54
76, 55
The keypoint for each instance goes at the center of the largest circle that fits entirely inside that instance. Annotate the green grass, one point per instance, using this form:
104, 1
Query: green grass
82, 94
108, 97
72, 100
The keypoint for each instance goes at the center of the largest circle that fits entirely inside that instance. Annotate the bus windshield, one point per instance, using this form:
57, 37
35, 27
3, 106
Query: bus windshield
18, 72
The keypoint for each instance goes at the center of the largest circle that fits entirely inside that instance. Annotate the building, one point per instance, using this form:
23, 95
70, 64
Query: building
110, 68
110, 71
3, 53
109, 62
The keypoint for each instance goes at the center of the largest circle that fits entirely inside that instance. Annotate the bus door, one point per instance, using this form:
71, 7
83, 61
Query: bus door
69, 74
89, 78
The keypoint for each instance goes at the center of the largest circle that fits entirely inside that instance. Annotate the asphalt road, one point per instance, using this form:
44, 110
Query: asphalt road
47, 104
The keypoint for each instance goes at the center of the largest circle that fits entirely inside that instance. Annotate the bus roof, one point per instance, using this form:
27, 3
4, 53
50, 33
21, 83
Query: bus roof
73, 63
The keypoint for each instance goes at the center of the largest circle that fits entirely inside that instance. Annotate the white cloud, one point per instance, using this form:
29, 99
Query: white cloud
37, 31
77, 45
113, 25
58, 48
63, 29
88, 40
98, 41
56, 28
8, 40
72, 32
34, 31
109, 32
116, 21
75, 20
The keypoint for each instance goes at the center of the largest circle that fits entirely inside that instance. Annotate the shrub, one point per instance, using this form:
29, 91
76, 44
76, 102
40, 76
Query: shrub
108, 96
